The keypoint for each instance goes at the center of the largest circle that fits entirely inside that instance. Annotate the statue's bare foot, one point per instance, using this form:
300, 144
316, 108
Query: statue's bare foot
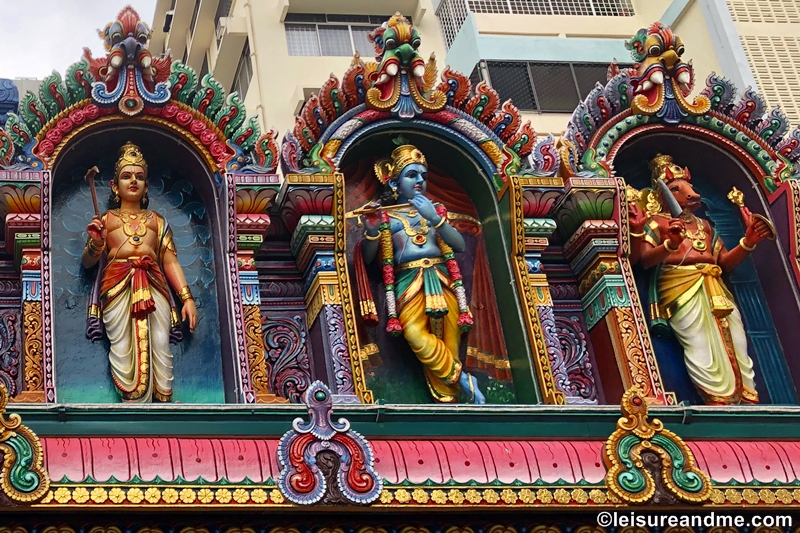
469, 384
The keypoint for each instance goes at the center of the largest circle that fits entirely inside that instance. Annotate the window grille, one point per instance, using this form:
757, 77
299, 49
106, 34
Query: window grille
526, 7
302, 39
244, 73
555, 86
335, 40
777, 73
489, 6
196, 12
475, 78
512, 80
770, 11
587, 75
545, 87
453, 13
315, 34
361, 42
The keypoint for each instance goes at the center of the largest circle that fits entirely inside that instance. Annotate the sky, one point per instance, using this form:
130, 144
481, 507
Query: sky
39, 36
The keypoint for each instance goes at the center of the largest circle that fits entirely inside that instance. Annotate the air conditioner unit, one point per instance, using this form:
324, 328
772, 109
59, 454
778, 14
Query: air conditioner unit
168, 20
222, 23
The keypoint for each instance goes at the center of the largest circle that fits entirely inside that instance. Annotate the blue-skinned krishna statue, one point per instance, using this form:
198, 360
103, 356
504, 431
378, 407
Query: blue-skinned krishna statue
425, 297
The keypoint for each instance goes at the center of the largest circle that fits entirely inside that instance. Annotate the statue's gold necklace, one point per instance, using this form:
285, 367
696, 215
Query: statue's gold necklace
418, 237
698, 237
134, 225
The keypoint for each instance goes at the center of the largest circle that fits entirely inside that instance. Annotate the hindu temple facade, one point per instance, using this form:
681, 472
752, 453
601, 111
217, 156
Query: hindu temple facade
408, 313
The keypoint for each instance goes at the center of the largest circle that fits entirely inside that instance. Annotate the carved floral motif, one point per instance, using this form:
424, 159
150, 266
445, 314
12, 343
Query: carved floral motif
344, 475
649, 464
287, 363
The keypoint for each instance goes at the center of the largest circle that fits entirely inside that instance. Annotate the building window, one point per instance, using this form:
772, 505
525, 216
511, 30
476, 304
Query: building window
545, 87
244, 72
312, 34
453, 13
196, 12
223, 10
204, 68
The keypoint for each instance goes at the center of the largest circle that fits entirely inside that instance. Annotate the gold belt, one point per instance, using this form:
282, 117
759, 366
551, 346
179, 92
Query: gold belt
424, 263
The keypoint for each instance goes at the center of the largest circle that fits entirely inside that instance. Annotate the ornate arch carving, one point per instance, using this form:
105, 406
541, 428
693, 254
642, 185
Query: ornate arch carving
403, 94
158, 92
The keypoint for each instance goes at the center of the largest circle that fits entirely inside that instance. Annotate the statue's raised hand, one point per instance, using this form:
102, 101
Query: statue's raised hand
97, 231
757, 230
426, 208
636, 218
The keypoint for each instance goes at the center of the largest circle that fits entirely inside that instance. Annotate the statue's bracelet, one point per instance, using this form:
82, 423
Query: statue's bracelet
439, 224
371, 237
670, 250
185, 294
93, 249
745, 246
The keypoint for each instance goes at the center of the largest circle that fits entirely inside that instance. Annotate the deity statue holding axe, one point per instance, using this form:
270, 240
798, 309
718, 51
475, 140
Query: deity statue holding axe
131, 300
688, 259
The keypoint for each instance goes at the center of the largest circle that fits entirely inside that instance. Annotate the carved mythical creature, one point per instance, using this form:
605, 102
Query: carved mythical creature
402, 82
128, 67
688, 259
132, 298
425, 297
663, 80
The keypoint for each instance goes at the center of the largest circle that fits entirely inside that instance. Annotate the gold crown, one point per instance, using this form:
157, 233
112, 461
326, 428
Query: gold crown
130, 154
664, 169
402, 156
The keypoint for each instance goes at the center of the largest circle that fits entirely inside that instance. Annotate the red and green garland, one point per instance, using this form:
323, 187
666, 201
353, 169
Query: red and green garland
393, 326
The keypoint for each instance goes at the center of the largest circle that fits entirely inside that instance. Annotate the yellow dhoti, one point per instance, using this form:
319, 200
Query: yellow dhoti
437, 353
706, 322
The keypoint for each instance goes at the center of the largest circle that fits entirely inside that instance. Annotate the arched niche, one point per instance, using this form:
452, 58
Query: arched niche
764, 285
197, 208
453, 155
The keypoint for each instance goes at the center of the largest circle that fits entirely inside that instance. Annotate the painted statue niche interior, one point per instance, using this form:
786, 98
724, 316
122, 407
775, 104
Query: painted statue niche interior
429, 324
686, 258
135, 288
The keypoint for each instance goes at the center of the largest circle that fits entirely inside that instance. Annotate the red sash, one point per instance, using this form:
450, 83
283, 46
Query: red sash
144, 274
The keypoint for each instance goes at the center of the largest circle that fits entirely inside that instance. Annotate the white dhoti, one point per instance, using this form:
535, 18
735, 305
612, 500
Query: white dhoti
709, 327
140, 355
137, 317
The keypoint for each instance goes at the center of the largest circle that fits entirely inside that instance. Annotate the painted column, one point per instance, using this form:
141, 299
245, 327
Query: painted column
20, 192
586, 218
254, 196
30, 262
313, 210
313, 247
540, 196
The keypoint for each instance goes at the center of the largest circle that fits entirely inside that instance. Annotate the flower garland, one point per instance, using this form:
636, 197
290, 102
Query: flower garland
393, 326
465, 320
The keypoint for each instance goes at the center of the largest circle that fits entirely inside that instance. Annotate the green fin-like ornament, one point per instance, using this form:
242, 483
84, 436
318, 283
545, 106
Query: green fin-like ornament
638, 441
23, 478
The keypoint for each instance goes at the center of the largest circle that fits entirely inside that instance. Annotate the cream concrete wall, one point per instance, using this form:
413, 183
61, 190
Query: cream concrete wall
691, 28
547, 123
280, 81
647, 12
